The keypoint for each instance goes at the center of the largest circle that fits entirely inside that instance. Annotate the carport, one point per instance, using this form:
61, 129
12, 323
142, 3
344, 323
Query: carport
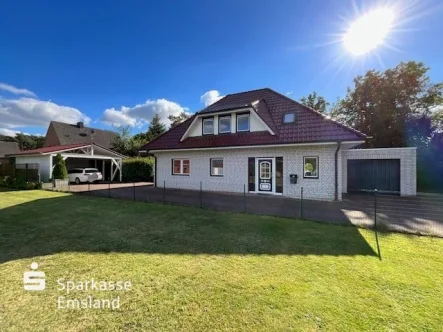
76, 155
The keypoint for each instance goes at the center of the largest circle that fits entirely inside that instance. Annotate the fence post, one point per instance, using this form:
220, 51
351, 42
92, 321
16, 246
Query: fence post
69, 186
89, 189
375, 209
301, 203
164, 192
375, 224
201, 195
134, 190
244, 197
109, 189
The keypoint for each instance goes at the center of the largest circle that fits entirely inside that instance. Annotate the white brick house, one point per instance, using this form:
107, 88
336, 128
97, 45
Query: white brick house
263, 142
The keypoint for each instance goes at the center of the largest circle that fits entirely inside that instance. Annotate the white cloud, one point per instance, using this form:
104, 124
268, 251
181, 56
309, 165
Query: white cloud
141, 114
16, 91
31, 112
210, 97
8, 132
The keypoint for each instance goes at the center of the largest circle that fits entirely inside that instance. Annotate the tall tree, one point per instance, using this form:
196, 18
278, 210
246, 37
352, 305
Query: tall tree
156, 128
126, 144
177, 119
386, 105
316, 102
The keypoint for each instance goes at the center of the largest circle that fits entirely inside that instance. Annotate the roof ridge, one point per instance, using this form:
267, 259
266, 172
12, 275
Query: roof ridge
319, 113
73, 124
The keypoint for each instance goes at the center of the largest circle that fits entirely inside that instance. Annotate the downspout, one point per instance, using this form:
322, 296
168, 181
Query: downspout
336, 170
155, 171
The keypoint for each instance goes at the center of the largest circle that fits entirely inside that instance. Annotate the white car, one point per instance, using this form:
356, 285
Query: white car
79, 175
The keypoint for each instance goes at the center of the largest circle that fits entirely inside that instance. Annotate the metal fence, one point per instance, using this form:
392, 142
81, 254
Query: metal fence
418, 215
29, 172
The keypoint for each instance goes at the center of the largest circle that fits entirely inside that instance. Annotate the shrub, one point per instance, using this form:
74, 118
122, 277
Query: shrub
60, 172
138, 169
19, 183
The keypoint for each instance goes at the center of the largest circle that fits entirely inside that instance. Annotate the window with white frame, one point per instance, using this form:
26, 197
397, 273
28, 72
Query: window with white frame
217, 167
208, 126
310, 167
224, 124
181, 166
243, 122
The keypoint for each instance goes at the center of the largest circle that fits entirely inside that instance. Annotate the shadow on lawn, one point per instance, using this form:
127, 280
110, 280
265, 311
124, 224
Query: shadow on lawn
91, 224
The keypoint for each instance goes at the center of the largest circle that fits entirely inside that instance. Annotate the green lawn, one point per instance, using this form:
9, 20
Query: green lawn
201, 270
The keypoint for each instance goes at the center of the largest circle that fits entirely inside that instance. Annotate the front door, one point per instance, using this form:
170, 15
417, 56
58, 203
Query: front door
265, 183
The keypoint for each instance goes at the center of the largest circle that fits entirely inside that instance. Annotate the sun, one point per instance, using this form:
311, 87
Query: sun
369, 31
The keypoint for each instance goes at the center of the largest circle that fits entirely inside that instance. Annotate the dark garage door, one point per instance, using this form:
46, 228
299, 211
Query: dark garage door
370, 174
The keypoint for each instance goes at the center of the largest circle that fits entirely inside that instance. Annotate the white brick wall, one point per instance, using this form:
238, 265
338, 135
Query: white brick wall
408, 165
236, 170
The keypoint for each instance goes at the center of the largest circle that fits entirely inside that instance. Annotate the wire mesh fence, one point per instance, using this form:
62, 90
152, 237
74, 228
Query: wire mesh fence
422, 214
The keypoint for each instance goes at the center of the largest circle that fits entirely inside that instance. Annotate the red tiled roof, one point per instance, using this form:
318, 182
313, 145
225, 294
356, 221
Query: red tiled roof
310, 126
50, 149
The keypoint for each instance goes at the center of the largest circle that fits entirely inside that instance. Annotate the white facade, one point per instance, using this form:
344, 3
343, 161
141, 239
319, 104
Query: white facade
235, 169
44, 161
408, 165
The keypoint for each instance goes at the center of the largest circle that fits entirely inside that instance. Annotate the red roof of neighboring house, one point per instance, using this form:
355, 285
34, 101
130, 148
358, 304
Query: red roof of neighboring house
310, 126
50, 149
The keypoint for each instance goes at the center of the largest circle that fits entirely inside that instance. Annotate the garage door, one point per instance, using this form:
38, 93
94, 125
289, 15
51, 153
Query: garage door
380, 174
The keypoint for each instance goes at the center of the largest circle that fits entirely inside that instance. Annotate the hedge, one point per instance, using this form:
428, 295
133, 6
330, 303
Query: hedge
138, 169
19, 183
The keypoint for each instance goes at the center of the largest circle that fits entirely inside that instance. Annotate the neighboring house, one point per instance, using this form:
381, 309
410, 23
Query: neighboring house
60, 133
7, 148
264, 142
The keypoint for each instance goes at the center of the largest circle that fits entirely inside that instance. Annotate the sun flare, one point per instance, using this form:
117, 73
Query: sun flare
369, 31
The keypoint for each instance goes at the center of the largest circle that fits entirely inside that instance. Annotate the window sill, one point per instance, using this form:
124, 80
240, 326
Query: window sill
180, 174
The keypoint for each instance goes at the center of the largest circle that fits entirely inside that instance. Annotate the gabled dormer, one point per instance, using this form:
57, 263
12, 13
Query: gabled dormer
230, 120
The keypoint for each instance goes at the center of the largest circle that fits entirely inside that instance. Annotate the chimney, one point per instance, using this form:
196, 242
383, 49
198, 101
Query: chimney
80, 125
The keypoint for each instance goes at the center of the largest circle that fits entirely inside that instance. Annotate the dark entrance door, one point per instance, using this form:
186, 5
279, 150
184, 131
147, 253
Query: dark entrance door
265, 175
370, 174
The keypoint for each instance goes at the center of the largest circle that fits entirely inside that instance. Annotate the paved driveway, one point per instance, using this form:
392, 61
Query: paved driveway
422, 214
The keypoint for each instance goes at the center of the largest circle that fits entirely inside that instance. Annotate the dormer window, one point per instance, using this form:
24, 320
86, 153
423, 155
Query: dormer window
224, 124
208, 126
289, 118
243, 122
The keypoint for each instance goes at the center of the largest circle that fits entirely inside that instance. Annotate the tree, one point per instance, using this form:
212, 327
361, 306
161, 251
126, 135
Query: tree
388, 105
126, 144
26, 142
156, 128
60, 172
316, 102
177, 119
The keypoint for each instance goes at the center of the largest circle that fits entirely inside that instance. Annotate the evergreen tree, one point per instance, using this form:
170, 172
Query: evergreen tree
156, 128
60, 172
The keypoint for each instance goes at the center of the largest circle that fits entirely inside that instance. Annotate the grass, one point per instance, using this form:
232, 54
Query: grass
201, 270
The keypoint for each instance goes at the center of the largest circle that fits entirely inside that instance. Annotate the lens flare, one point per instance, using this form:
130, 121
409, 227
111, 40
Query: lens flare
369, 31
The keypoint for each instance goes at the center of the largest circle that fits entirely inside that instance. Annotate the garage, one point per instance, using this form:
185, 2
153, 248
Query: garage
367, 175
389, 170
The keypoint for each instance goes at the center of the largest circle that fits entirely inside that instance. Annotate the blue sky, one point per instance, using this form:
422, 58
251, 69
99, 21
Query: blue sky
120, 62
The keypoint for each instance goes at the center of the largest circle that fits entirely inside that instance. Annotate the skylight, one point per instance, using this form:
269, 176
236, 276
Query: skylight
289, 118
